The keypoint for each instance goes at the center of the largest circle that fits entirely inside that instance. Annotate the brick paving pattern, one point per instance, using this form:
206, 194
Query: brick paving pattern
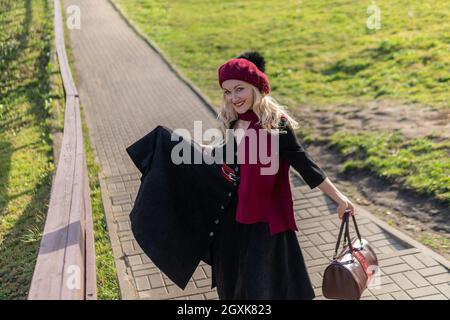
126, 90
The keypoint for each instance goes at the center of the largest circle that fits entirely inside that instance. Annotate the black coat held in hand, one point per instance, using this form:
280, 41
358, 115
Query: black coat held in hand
179, 207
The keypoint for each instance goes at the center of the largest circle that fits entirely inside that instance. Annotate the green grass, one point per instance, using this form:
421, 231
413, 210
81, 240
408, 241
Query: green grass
436, 242
420, 164
321, 53
107, 283
317, 51
27, 99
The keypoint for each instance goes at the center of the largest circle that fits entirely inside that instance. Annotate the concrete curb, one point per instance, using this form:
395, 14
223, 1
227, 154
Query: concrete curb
127, 289
166, 59
404, 239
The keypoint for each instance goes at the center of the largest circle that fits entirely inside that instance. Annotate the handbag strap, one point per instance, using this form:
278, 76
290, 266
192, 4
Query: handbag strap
345, 224
357, 231
347, 235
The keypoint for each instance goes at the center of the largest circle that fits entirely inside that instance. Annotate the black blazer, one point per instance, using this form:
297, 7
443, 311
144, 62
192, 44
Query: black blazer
178, 208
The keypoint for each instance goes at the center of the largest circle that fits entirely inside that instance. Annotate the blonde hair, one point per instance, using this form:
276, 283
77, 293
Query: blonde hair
268, 110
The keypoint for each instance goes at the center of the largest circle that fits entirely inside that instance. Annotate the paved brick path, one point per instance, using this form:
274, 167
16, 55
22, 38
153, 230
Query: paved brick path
126, 90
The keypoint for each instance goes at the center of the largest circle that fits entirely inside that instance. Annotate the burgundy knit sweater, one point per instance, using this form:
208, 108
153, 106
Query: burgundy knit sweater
268, 198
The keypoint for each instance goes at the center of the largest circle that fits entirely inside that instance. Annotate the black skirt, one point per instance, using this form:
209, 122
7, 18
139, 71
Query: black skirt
249, 264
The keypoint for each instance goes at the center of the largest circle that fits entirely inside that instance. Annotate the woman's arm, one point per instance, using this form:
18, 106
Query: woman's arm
314, 176
341, 200
291, 150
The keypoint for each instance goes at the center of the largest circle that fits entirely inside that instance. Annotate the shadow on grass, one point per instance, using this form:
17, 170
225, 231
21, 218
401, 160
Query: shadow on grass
5, 168
20, 244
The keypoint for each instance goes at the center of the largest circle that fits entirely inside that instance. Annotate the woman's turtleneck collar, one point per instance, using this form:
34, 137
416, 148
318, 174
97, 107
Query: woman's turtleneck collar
248, 115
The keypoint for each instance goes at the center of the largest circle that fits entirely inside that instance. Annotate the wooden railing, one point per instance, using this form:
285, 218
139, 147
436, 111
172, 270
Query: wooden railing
65, 266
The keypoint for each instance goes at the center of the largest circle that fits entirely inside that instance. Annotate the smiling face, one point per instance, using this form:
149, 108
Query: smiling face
238, 94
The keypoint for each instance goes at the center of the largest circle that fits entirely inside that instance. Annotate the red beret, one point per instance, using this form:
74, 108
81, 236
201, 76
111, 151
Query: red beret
245, 70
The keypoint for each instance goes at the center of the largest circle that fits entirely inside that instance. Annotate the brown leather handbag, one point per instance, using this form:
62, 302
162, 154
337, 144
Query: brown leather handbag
349, 273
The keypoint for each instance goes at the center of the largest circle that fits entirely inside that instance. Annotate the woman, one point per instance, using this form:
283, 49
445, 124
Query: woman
238, 215
256, 254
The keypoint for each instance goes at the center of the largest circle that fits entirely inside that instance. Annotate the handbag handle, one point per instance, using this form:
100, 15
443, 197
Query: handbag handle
345, 223
341, 229
357, 230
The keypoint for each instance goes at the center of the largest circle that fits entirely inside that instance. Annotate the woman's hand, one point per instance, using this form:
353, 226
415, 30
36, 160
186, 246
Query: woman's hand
344, 205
